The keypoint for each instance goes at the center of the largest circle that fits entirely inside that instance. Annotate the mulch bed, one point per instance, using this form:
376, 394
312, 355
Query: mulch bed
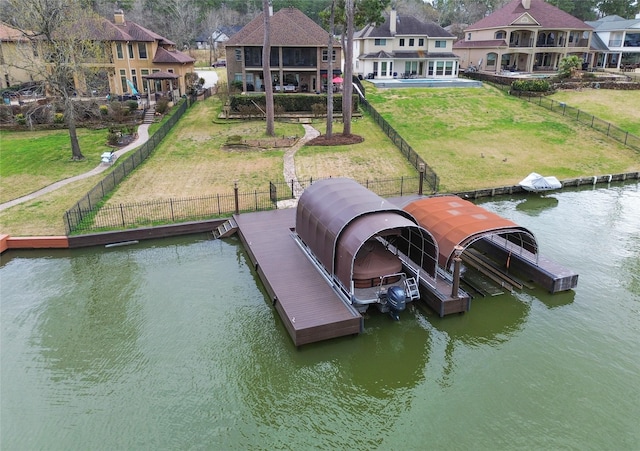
337, 139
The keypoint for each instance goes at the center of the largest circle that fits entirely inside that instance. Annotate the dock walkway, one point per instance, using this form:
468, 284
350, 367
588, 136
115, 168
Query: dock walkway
310, 309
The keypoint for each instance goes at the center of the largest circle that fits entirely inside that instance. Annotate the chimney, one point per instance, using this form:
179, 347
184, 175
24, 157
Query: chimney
270, 10
526, 4
392, 21
118, 17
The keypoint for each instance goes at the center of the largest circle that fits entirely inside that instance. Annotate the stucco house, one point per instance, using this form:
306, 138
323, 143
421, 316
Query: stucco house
16, 54
149, 61
135, 57
404, 46
299, 54
524, 35
621, 39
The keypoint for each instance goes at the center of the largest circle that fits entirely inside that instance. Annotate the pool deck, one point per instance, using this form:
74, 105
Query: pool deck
425, 83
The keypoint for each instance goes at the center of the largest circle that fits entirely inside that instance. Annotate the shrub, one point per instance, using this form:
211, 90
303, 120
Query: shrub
132, 105
20, 119
162, 106
113, 138
531, 85
318, 109
58, 118
104, 110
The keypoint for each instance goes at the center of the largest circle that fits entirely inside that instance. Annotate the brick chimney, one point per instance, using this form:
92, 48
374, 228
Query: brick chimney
118, 17
392, 21
526, 4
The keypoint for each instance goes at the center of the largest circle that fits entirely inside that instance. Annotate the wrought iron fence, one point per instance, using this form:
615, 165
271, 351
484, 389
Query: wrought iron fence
430, 176
86, 206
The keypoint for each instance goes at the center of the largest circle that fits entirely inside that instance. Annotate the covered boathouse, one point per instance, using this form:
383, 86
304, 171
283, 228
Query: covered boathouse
496, 247
364, 244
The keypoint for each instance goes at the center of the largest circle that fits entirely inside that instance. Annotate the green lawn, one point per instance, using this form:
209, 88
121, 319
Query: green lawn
481, 137
30, 161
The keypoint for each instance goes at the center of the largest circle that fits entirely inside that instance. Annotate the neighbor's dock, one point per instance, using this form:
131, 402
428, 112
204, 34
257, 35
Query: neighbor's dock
310, 310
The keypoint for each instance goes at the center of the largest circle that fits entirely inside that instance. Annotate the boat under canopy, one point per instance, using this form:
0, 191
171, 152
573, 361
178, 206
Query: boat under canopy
537, 183
360, 240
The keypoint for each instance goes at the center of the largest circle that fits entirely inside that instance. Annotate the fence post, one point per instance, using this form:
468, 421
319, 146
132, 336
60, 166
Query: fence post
235, 197
122, 215
421, 183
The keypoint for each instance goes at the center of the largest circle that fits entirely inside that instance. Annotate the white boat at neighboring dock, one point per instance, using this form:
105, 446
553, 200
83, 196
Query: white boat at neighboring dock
537, 183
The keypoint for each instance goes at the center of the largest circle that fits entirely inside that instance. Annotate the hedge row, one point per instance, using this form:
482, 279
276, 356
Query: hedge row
289, 102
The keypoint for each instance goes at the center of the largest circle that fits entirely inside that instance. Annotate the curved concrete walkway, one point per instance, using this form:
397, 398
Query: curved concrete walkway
290, 167
143, 136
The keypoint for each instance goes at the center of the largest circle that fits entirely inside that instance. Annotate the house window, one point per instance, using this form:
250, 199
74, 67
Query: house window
383, 68
448, 68
441, 44
380, 42
119, 50
402, 42
468, 36
410, 67
142, 50
134, 78
130, 48
238, 55
500, 34
491, 59
123, 79
439, 68
430, 68
421, 42
145, 81
412, 42
325, 55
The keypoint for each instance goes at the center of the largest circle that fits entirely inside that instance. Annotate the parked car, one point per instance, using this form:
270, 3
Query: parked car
220, 63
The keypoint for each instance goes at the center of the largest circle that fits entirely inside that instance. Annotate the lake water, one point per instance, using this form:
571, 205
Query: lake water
173, 344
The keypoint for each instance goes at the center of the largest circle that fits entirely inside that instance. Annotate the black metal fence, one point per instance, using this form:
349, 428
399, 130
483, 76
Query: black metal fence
612, 131
85, 209
430, 176
147, 214
607, 128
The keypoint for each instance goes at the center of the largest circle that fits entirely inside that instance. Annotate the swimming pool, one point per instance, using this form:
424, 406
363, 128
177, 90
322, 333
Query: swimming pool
426, 83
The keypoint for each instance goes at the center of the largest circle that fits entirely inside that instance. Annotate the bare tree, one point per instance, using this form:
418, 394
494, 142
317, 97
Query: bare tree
65, 52
347, 87
266, 69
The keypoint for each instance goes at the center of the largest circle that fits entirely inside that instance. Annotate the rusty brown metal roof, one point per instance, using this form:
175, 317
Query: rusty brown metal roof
457, 222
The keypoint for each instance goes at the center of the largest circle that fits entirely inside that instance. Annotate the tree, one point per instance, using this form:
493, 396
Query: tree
623, 8
582, 9
266, 69
332, 16
64, 40
569, 65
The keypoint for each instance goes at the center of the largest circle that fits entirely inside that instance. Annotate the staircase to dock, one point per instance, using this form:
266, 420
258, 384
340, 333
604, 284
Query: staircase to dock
225, 229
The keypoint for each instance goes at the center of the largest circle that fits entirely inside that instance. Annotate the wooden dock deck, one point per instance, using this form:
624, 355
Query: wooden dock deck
310, 309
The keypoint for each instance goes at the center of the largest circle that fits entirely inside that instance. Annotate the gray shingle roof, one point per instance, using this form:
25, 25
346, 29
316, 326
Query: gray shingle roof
405, 25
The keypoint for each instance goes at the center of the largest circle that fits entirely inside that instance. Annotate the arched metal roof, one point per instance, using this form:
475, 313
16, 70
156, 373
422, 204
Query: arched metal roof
335, 217
458, 222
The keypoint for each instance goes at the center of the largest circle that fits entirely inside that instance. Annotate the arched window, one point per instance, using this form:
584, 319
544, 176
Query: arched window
500, 34
491, 59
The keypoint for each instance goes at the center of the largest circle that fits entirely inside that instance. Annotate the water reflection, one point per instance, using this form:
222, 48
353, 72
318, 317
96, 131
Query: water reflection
534, 204
88, 329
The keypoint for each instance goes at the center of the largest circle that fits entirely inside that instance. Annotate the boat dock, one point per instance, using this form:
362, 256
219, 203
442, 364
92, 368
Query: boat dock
310, 309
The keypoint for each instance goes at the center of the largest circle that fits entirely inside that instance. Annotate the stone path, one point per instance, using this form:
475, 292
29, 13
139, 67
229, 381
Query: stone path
143, 136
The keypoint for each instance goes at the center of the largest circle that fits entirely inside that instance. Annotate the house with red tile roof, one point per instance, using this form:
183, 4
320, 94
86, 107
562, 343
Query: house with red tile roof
526, 36
299, 54
133, 53
404, 47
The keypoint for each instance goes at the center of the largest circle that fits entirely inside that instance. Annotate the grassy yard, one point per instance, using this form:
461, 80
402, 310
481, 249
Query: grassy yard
473, 138
30, 161
480, 137
621, 108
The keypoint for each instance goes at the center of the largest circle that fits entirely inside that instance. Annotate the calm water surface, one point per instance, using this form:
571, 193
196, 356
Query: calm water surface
173, 344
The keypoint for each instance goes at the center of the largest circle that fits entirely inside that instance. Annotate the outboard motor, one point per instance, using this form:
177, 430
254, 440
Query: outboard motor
397, 301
